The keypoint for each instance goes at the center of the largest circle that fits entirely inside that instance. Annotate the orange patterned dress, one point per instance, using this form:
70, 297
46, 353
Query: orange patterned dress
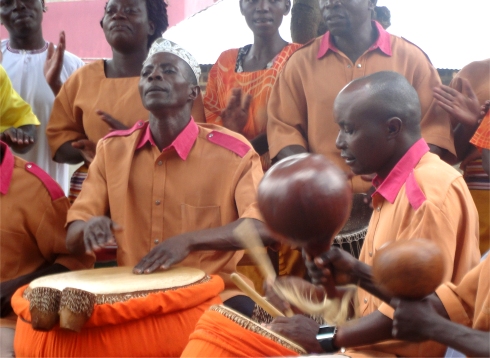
481, 138
223, 77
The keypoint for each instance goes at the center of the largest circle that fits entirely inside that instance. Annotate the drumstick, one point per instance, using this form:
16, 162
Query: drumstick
250, 239
258, 299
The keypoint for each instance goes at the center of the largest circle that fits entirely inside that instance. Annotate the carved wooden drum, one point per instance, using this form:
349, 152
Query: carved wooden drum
112, 312
223, 332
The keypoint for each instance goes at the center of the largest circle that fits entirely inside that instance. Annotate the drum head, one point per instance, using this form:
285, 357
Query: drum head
117, 280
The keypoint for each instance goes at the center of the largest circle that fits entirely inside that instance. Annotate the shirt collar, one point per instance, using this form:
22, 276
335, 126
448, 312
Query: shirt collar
402, 174
6, 168
383, 42
182, 144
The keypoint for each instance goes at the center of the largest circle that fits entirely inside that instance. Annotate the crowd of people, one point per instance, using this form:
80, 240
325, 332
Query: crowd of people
167, 173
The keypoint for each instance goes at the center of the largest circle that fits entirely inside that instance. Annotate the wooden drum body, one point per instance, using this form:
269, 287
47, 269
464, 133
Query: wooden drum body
223, 332
117, 313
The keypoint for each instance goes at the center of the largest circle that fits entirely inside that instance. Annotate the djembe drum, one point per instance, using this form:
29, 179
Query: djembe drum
112, 312
223, 332
352, 235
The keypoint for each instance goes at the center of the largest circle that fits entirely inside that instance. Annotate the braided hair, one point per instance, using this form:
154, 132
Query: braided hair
157, 13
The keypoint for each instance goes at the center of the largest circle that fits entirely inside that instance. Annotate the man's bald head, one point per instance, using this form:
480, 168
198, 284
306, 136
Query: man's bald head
385, 94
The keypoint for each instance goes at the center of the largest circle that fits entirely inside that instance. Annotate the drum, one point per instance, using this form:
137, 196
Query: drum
352, 235
223, 332
112, 312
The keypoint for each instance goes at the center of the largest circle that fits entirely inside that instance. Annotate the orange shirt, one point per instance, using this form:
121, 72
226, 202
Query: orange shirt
300, 108
87, 90
33, 211
481, 138
157, 195
422, 197
469, 302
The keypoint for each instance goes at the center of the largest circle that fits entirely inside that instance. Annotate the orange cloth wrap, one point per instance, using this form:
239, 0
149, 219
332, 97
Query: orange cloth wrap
156, 325
218, 336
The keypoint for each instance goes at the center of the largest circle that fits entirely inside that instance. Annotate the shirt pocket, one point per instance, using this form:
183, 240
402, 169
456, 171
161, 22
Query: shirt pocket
12, 245
199, 217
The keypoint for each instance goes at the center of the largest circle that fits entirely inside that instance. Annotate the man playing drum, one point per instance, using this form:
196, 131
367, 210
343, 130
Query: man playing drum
417, 196
170, 191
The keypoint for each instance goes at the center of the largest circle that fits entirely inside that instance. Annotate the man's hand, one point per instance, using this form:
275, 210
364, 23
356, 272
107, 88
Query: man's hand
19, 139
463, 106
113, 123
98, 232
87, 149
168, 253
235, 115
54, 64
299, 329
413, 320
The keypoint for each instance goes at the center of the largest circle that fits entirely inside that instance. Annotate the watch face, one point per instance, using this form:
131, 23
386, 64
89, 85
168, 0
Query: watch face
325, 332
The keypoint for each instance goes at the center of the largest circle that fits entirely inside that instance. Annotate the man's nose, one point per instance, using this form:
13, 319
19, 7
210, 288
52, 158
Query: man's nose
329, 3
262, 5
340, 141
19, 4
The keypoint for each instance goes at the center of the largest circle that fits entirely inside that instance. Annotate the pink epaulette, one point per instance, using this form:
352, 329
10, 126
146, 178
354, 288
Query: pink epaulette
125, 132
229, 142
54, 190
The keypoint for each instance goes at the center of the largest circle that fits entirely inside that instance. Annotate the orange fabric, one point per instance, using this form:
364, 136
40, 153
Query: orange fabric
300, 110
156, 195
481, 138
448, 217
73, 116
223, 79
469, 302
156, 325
217, 336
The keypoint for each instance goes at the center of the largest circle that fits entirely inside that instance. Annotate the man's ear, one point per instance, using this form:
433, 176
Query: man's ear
151, 28
288, 7
240, 4
393, 127
372, 4
195, 90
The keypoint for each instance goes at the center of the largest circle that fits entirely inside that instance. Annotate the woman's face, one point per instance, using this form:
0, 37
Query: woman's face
264, 16
126, 25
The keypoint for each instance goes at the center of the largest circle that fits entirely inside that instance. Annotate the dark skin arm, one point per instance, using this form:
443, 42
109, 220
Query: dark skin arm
20, 139
98, 231
428, 320
54, 64
486, 160
8, 288
260, 144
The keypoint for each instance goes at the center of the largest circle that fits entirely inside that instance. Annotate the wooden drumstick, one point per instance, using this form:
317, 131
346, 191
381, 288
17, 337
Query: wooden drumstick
250, 239
254, 295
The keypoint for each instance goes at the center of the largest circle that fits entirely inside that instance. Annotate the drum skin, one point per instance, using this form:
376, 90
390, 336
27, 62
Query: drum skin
217, 336
156, 325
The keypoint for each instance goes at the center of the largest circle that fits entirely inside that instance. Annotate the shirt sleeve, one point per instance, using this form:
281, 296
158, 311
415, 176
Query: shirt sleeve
14, 111
66, 121
93, 199
247, 178
51, 237
286, 111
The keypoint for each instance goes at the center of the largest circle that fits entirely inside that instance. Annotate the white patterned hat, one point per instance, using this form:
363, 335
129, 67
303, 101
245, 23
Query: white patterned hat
164, 45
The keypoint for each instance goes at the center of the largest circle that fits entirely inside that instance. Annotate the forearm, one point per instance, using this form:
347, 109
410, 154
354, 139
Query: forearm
74, 237
485, 155
68, 154
363, 273
288, 151
469, 341
50, 270
370, 329
462, 136
222, 238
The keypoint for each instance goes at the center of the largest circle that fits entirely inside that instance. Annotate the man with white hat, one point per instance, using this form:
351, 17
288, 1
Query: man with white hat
168, 190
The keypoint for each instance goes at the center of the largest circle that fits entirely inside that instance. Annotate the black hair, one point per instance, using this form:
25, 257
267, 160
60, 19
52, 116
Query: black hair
157, 14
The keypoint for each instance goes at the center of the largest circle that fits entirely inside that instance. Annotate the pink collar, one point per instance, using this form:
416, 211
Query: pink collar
6, 168
383, 42
182, 144
401, 174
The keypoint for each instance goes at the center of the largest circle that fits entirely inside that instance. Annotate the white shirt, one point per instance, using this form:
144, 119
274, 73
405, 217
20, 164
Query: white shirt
25, 69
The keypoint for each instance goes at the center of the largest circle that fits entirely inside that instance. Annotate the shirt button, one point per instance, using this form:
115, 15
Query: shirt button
378, 208
370, 254
365, 300
160, 162
359, 65
157, 202
210, 135
156, 241
29, 166
349, 66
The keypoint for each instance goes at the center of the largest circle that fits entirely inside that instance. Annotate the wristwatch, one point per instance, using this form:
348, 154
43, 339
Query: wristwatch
325, 337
